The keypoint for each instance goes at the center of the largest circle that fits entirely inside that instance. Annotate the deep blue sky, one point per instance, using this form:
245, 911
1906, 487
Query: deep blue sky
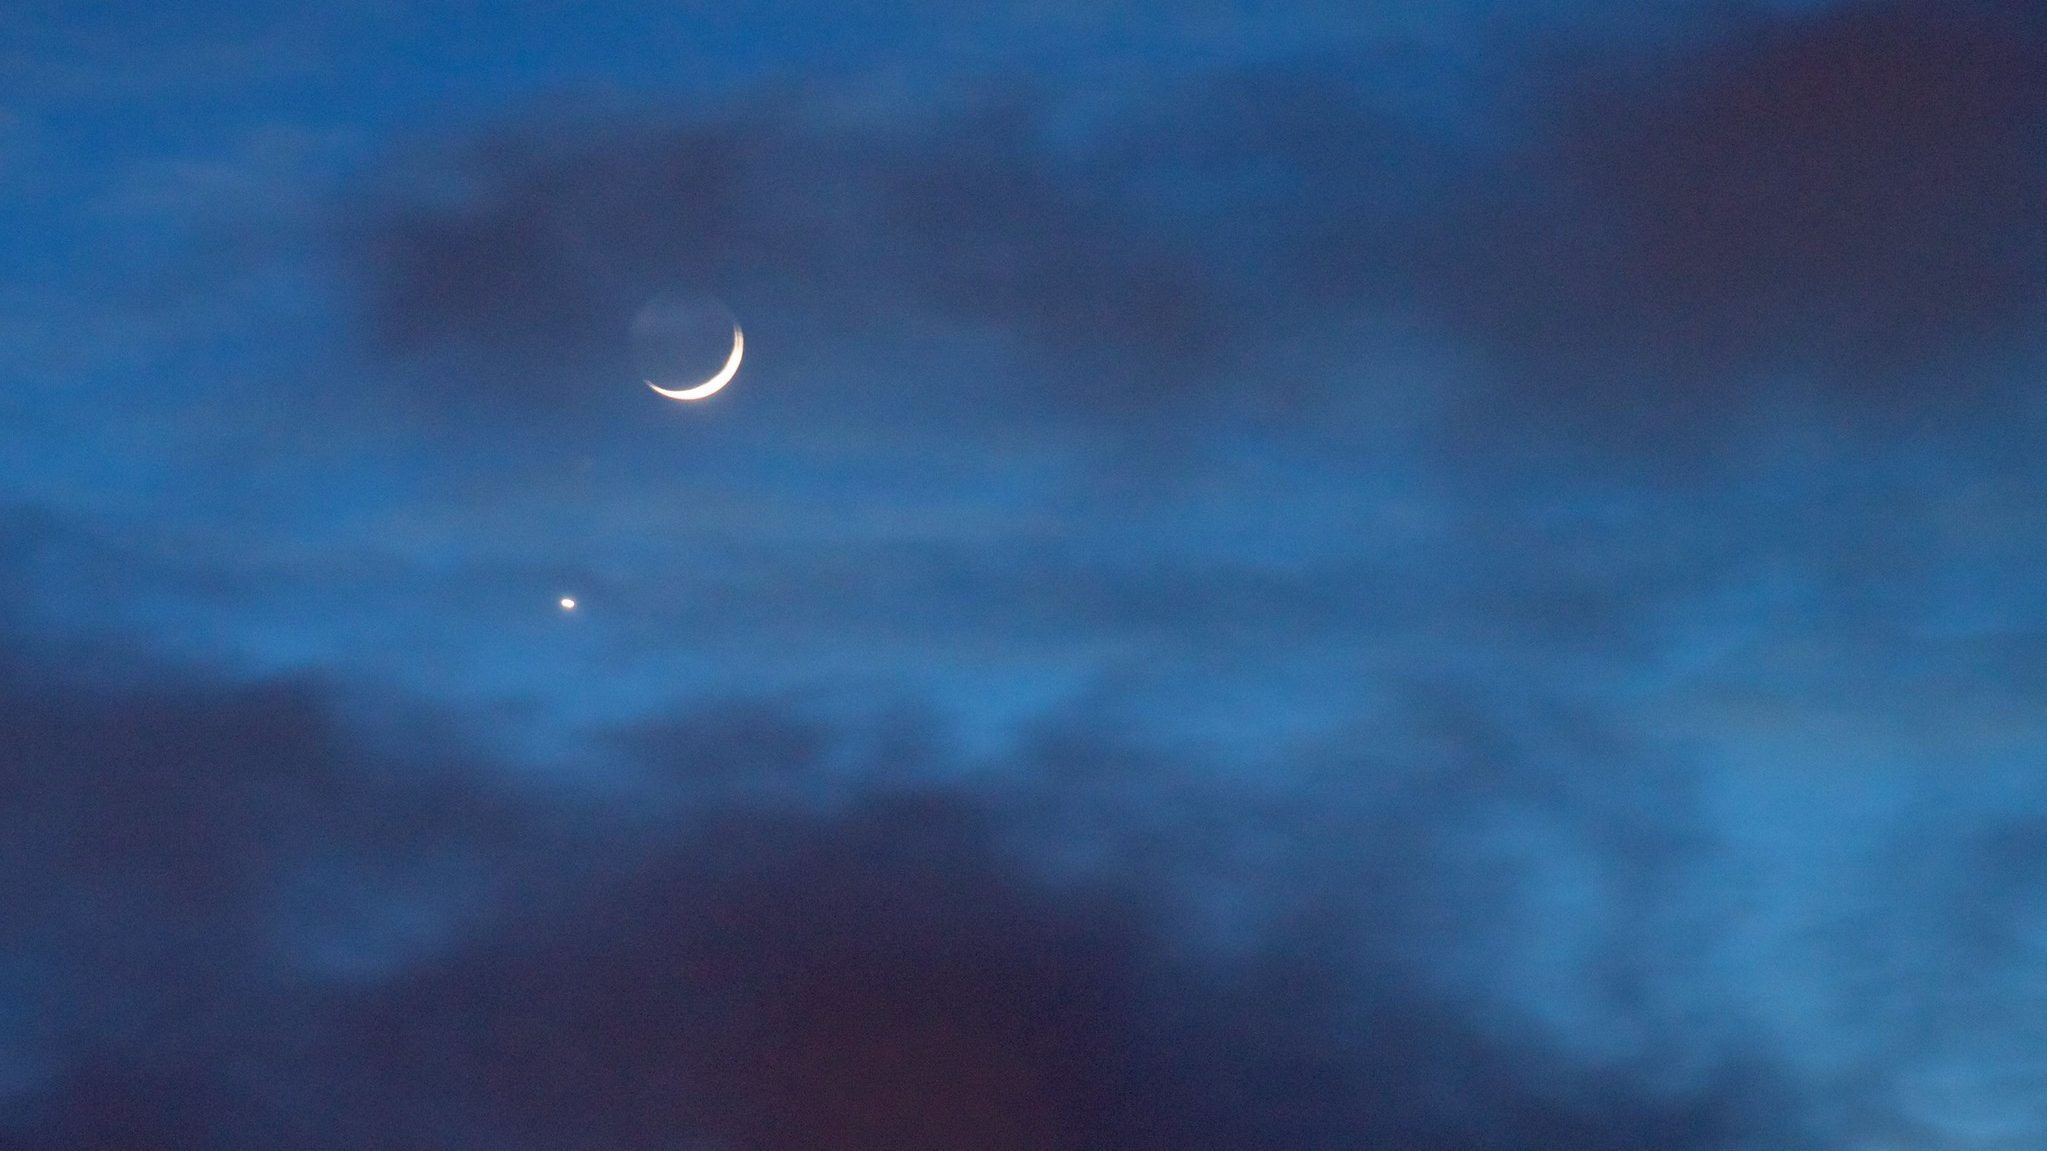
1278, 575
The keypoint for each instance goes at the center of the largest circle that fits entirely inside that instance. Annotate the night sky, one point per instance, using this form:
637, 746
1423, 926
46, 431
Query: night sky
1279, 575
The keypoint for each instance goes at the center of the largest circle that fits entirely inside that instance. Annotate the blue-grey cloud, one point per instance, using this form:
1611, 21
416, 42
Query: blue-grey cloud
880, 977
555, 236
737, 957
1836, 199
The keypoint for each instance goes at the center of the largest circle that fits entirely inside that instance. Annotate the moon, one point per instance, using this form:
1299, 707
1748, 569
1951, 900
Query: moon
687, 346
710, 386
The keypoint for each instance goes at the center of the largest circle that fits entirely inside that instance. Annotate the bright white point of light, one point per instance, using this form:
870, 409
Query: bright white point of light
568, 604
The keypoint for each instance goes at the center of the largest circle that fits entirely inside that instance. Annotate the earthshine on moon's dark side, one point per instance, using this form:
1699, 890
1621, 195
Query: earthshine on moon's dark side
687, 348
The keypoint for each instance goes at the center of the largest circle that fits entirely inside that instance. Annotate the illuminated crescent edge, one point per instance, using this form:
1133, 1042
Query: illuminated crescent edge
711, 385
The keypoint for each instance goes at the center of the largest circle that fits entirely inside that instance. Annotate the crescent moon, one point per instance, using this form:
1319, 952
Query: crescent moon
710, 386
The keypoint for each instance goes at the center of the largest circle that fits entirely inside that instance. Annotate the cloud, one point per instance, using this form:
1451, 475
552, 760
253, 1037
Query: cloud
1839, 197
1861, 178
173, 848
250, 921
1648, 861
1842, 198
103, 1108
554, 235
239, 917
882, 977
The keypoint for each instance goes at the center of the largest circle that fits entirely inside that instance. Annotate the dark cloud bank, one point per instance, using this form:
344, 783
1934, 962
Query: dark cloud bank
1843, 202
234, 920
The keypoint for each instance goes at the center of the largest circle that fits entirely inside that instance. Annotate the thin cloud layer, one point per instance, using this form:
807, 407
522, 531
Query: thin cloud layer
1843, 197
554, 237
